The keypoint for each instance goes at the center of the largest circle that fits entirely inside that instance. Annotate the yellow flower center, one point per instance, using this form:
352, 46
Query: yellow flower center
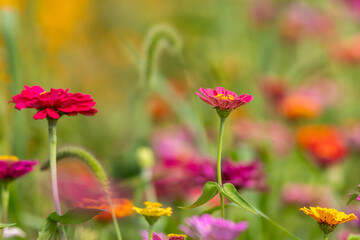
8, 158
221, 96
177, 236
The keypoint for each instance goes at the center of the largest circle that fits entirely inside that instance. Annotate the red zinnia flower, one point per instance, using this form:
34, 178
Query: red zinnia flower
11, 168
223, 99
324, 143
55, 103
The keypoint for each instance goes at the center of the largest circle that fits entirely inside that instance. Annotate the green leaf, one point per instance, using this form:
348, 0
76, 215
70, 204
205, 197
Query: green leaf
4, 225
230, 192
352, 198
214, 209
49, 230
75, 215
209, 191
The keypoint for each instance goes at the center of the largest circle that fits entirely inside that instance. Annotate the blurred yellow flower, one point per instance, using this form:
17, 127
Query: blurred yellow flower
59, 20
18, 4
153, 211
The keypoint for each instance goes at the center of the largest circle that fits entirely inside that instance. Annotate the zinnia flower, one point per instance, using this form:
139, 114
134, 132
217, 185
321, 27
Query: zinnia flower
210, 228
172, 236
55, 103
324, 143
223, 99
11, 167
153, 211
244, 175
328, 218
156, 236
122, 207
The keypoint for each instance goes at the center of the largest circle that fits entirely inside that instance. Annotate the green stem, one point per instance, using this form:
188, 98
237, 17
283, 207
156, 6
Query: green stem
221, 135
116, 225
151, 231
53, 172
5, 205
326, 236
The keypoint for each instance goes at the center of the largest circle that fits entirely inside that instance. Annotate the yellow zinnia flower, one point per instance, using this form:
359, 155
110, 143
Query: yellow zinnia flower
328, 218
153, 211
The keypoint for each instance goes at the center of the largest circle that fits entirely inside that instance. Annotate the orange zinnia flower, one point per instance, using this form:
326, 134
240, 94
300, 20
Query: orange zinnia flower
324, 143
328, 218
122, 207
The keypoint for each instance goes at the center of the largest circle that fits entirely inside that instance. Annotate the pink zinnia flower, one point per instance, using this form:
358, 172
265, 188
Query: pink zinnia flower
223, 99
12, 168
55, 103
210, 228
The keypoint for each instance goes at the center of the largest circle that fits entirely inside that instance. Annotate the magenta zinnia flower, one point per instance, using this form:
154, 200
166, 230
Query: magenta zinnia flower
244, 175
210, 228
223, 99
55, 103
12, 168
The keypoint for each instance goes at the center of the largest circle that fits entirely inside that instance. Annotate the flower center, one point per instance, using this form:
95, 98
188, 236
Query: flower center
221, 96
8, 158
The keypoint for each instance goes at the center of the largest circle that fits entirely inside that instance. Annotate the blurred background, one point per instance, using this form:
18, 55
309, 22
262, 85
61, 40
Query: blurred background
296, 144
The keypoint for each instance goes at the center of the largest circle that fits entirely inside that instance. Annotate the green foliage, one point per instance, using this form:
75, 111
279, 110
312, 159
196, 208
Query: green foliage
209, 191
50, 228
157, 39
230, 192
4, 225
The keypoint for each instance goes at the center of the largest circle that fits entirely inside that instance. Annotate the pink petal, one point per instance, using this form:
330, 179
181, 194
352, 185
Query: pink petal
40, 115
52, 113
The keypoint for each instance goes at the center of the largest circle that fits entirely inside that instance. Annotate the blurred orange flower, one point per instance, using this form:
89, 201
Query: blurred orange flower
325, 143
122, 207
299, 105
348, 51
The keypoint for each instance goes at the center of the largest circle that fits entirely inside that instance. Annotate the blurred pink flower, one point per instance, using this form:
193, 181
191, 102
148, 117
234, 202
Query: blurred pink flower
302, 20
262, 12
263, 134
353, 6
353, 136
244, 175
55, 103
211, 228
223, 99
12, 168
156, 236
306, 195
178, 159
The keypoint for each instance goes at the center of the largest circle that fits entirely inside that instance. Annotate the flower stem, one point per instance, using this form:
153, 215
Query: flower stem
53, 172
116, 225
5, 205
221, 135
326, 236
151, 231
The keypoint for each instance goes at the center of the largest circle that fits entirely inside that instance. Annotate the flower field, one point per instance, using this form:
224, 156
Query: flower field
174, 120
